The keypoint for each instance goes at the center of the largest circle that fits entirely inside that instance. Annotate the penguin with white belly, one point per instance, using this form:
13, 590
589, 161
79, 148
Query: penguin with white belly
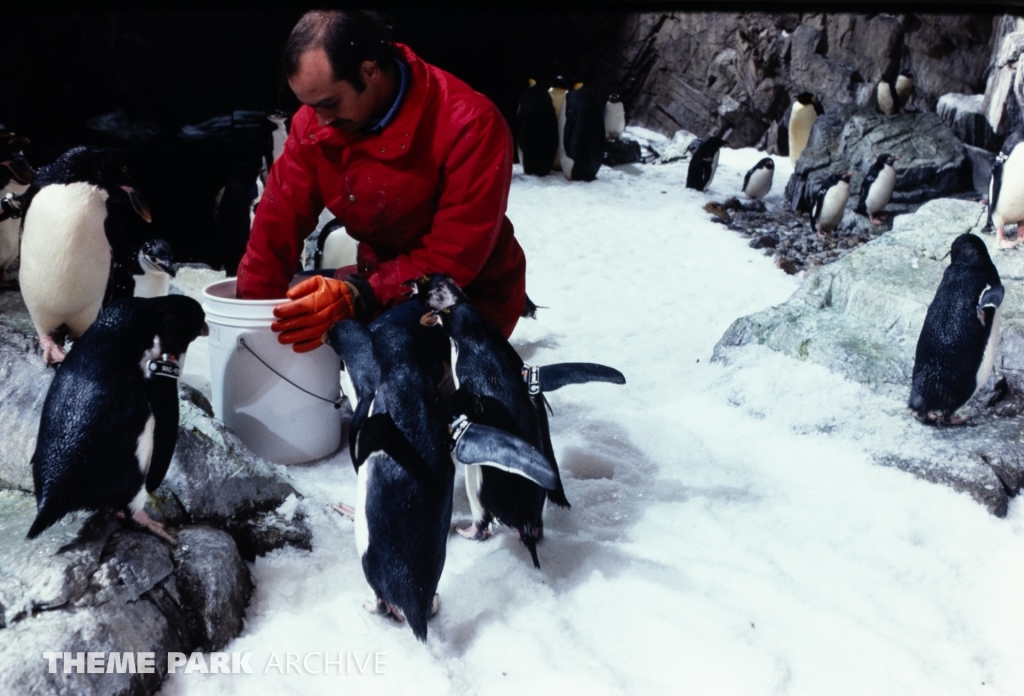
76, 222
876, 191
110, 418
536, 130
614, 117
581, 141
758, 181
830, 203
15, 177
1006, 190
147, 274
904, 89
334, 247
495, 388
805, 112
704, 164
957, 345
887, 97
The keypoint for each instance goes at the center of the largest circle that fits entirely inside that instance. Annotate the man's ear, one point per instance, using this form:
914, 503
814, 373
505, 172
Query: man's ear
369, 71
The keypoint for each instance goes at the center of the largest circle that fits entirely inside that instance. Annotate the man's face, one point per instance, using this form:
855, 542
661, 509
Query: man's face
336, 102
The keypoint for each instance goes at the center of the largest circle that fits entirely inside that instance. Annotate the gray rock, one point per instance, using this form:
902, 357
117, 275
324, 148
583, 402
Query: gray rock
861, 317
24, 380
965, 114
1000, 106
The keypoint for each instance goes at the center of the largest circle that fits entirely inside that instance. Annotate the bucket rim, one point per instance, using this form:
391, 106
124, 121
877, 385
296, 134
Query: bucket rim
231, 282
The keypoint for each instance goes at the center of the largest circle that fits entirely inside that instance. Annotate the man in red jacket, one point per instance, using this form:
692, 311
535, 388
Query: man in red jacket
414, 163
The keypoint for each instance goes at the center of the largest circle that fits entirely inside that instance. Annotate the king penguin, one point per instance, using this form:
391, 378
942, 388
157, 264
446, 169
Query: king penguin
75, 223
536, 130
830, 203
758, 181
581, 128
494, 387
703, 164
15, 177
110, 417
805, 112
559, 86
957, 345
876, 191
614, 117
1006, 190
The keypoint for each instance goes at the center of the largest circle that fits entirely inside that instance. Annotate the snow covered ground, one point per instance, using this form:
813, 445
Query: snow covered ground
729, 533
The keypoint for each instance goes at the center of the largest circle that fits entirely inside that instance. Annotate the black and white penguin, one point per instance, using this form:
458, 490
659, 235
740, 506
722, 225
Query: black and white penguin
703, 164
110, 418
830, 203
1006, 190
334, 247
536, 130
75, 223
614, 117
876, 191
147, 273
758, 181
904, 89
805, 112
360, 373
581, 134
495, 388
957, 346
559, 87
888, 99
15, 177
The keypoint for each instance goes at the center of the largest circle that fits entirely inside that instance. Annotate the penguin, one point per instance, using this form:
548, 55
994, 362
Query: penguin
15, 177
888, 99
904, 89
1006, 190
110, 417
147, 274
495, 388
360, 373
334, 247
806, 110
758, 181
614, 117
876, 191
405, 473
536, 130
957, 345
75, 223
830, 203
703, 164
581, 140
559, 86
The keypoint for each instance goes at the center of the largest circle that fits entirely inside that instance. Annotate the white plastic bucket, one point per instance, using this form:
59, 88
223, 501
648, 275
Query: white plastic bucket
288, 416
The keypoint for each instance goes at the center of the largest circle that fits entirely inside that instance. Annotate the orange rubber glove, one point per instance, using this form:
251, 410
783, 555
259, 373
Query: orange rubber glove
317, 304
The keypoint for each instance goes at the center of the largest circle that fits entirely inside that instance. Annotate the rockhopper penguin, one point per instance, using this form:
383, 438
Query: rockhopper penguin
876, 191
1006, 190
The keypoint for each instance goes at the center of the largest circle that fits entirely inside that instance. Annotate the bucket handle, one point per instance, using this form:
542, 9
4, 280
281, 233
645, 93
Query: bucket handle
336, 402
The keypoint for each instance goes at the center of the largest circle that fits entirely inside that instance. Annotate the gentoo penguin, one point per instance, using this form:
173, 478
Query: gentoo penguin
495, 388
703, 164
536, 130
904, 89
956, 349
147, 274
888, 99
806, 110
614, 117
830, 203
15, 177
1006, 190
334, 247
110, 418
877, 188
75, 222
758, 181
581, 139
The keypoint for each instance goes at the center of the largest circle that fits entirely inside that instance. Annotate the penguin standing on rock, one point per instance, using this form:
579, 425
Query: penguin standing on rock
876, 191
536, 130
75, 223
110, 418
888, 98
957, 346
703, 164
614, 117
830, 203
904, 89
1006, 191
758, 181
805, 112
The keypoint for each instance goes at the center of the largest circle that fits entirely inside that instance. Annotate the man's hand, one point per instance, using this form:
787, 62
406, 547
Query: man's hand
317, 304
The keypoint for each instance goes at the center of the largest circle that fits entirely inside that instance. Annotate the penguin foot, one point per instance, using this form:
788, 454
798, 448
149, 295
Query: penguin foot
435, 605
52, 353
346, 510
475, 532
153, 526
824, 235
953, 420
379, 606
1004, 244
876, 220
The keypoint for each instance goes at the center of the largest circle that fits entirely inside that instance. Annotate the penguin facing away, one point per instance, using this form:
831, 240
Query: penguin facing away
75, 223
110, 418
1006, 190
830, 203
15, 177
804, 113
703, 164
614, 117
876, 190
957, 345
581, 143
536, 130
758, 181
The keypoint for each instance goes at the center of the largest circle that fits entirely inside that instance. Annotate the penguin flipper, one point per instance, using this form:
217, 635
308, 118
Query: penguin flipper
46, 517
989, 303
553, 377
486, 446
746, 179
380, 434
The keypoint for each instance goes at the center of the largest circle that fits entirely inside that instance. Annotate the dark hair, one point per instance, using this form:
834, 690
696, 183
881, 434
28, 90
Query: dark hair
348, 39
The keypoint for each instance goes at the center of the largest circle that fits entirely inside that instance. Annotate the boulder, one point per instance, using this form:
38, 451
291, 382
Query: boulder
965, 115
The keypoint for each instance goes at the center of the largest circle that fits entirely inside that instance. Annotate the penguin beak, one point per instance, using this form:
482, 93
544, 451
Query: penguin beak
21, 171
138, 203
430, 319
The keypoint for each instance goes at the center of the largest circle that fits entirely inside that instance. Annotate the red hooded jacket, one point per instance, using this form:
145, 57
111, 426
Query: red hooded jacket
427, 195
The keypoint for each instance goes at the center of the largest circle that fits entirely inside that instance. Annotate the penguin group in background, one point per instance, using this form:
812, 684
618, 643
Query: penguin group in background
758, 181
581, 134
703, 164
494, 387
957, 345
15, 177
1006, 191
77, 220
536, 130
614, 117
334, 247
876, 190
830, 203
805, 112
110, 417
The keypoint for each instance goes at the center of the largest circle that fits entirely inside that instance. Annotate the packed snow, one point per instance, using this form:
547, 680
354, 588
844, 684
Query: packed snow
729, 532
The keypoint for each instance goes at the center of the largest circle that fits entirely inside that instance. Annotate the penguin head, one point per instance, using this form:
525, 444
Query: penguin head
907, 74
102, 167
890, 159
614, 98
437, 290
766, 163
179, 321
806, 98
846, 177
155, 256
969, 250
12, 157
